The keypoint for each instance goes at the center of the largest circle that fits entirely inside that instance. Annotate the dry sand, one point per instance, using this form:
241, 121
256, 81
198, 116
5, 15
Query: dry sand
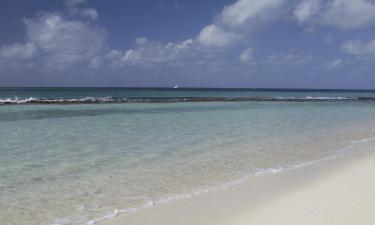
333, 192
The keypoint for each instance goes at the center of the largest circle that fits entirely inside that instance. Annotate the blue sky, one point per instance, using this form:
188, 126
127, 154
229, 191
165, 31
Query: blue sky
221, 43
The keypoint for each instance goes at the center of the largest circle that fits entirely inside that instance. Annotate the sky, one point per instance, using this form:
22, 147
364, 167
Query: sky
190, 43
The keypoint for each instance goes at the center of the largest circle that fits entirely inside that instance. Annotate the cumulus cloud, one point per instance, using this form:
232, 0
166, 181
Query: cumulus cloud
64, 41
342, 14
155, 52
246, 56
149, 53
141, 40
74, 9
306, 10
214, 36
290, 59
59, 41
349, 14
17, 51
237, 20
230, 27
244, 11
85, 12
356, 47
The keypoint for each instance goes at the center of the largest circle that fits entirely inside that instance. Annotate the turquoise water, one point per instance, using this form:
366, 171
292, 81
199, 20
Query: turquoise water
159, 92
81, 164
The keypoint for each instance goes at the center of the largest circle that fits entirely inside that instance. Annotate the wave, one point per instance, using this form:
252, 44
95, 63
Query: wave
16, 100
108, 100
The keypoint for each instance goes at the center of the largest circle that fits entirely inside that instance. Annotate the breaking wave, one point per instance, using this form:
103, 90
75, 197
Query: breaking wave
108, 100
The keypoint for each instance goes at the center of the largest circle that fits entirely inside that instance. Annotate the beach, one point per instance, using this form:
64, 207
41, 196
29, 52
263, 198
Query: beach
337, 191
345, 197
67, 163
171, 112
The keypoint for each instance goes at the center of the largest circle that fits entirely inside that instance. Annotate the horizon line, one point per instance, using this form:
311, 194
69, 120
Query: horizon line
192, 88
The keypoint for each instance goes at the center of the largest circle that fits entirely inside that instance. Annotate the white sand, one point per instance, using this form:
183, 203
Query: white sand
335, 192
345, 198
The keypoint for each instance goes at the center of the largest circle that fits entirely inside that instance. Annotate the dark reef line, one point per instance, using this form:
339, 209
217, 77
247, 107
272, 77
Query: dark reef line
112, 100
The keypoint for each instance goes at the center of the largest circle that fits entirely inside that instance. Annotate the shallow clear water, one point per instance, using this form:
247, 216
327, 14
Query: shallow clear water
72, 164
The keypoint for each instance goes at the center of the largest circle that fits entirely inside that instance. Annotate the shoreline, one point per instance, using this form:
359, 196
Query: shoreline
274, 198
344, 196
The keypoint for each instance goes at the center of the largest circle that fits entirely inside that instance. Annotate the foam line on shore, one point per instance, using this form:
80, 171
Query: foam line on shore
258, 172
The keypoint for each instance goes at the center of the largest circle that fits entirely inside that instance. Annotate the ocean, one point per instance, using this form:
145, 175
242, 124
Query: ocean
73, 156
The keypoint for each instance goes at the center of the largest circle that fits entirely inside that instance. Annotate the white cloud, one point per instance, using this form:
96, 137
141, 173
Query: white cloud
349, 14
59, 41
230, 27
96, 62
237, 20
306, 10
65, 41
214, 36
335, 64
342, 14
85, 12
141, 40
73, 3
290, 59
150, 53
355, 47
246, 56
75, 10
244, 11
17, 51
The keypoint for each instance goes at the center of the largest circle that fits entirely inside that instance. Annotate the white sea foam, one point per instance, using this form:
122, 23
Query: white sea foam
269, 171
316, 98
98, 100
327, 98
115, 213
16, 100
